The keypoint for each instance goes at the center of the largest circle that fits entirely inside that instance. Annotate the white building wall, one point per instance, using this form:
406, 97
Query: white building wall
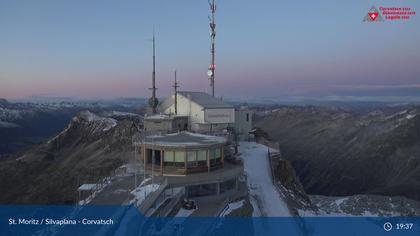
219, 115
188, 108
200, 118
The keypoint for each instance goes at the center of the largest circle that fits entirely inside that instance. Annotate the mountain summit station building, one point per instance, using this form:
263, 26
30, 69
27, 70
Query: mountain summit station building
189, 144
195, 162
183, 153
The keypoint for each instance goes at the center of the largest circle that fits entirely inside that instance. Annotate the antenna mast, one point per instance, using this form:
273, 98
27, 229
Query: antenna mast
153, 101
212, 66
176, 86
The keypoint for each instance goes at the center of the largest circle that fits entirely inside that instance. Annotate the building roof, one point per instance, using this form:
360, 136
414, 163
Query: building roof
182, 139
201, 98
205, 100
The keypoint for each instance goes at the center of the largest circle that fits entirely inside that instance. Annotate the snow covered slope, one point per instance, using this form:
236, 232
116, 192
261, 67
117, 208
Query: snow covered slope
263, 194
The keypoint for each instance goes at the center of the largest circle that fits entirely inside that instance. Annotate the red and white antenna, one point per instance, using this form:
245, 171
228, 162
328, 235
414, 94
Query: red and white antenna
212, 66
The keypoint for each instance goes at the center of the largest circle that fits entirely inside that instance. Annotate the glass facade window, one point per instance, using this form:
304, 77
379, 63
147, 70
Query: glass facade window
191, 156
180, 159
217, 153
179, 156
211, 153
201, 155
168, 156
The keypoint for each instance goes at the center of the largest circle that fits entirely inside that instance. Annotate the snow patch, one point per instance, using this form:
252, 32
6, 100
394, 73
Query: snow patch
255, 157
96, 188
256, 210
232, 206
396, 114
120, 113
340, 200
409, 116
140, 193
21, 158
107, 123
184, 212
88, 187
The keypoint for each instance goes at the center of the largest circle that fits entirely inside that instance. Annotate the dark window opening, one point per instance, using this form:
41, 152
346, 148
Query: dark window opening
157, 156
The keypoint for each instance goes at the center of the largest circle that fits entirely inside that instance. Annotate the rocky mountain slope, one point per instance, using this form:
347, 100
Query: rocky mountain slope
90, 148
363, 205
23, 124
339, 153
302, 204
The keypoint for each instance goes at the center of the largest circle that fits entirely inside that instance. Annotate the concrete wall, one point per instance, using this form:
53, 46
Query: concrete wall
163, 125
166, 125
209, 127
243, 122
219, 115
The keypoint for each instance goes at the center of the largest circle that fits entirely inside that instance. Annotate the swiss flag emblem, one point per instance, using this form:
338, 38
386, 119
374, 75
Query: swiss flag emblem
373, 15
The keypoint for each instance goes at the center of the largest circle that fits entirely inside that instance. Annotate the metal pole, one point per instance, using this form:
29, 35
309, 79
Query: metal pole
153, 159
213, 41
135, 170
176, 86
176, 99
153, 102
154, 74
144, 162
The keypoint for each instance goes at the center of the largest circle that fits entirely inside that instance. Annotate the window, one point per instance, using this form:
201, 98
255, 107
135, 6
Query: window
191, 156
211, 153
168, 156
201, 155
217, 153
247, 117
179, 156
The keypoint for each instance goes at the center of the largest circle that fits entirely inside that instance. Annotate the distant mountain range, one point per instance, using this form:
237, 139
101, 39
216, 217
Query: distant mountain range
340, 153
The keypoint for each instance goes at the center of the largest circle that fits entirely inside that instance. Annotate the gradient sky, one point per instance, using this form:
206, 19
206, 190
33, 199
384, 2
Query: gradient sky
264, 48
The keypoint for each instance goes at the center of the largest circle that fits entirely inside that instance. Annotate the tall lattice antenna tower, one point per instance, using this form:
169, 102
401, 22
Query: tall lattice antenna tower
176, 86
153, 101
212, 66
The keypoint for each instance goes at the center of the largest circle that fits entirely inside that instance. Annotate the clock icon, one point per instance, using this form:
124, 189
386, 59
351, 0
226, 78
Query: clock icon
387, 226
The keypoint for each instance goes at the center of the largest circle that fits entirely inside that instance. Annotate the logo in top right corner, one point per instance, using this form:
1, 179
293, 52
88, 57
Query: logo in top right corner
373, 15
389, 13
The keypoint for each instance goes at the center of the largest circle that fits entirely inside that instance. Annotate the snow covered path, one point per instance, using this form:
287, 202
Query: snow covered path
263, 193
